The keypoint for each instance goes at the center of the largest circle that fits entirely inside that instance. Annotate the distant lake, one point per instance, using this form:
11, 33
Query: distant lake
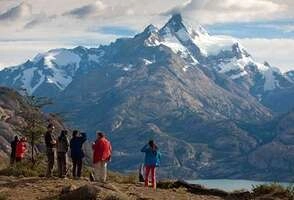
230, 185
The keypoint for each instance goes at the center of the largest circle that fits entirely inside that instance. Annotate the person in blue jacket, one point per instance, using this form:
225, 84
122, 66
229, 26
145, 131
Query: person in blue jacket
77, 153
152, 160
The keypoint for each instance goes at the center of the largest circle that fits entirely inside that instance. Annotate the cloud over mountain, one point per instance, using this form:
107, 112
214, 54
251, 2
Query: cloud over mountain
211, 11
87, 10
83, 22
19, 12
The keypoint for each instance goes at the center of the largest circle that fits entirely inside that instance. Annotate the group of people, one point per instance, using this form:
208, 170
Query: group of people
102, 151
18, 149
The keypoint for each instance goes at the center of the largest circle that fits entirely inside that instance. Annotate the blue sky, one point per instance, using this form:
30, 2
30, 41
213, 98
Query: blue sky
283, 28
31, 26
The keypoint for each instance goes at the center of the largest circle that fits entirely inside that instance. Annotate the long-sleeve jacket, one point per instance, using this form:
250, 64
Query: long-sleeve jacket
62, 144
21, 148
49, 140
102, 150
76, 147
152, 157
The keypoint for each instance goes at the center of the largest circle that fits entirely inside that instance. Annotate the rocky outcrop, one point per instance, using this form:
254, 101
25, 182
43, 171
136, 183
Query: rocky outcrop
12, 119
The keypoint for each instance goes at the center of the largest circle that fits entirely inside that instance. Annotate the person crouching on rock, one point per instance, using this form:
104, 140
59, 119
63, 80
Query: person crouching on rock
77, 153
152, 160
21, 149
62, 148
102, 151
13, 150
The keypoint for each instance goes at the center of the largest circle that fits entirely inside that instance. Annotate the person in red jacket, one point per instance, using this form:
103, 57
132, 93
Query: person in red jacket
101, 156
21, 149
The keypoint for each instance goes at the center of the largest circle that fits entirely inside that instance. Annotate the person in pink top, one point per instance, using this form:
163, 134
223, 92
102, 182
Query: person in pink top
102, 151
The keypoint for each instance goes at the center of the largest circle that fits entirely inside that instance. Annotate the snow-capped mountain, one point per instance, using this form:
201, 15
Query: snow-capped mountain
57, 68
51, 72
193, 92
221, 53
290, 75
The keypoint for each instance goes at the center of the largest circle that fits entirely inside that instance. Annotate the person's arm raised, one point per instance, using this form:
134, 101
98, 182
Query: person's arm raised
84, 137
145, 148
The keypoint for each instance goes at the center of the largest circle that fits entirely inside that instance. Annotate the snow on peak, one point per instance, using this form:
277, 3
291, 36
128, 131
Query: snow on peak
270, 79
59, 67
290, 76
151, 29
60, 57
180, 35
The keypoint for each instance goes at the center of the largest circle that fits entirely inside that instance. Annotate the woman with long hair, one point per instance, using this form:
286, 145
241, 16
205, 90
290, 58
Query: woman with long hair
152, 160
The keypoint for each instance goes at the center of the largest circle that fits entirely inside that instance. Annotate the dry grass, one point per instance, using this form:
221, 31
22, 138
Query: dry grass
3, 196
120, 178
25, 168
116, 196
274, 191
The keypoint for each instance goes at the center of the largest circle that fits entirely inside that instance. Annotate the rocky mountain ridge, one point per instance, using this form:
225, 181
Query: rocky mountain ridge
203, 99
55, 69
13, 121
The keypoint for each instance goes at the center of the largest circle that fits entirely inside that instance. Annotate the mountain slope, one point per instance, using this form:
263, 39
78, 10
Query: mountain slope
223, 56
180, 86
13, 109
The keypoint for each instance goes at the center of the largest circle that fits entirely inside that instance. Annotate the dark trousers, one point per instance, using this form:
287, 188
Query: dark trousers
12, 158
18, 159
61, 163
77, 167
50, 162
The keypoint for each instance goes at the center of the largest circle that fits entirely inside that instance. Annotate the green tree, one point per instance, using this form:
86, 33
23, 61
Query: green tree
35, 125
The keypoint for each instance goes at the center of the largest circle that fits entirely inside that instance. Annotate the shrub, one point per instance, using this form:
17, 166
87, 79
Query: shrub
120, 178
275, 190
25, 169
116, 196
3, 196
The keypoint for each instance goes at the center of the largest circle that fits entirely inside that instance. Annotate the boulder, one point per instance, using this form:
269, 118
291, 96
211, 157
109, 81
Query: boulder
88, 192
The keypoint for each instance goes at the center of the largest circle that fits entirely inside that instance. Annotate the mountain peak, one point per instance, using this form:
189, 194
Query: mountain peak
177, 18
175, 23
151, 29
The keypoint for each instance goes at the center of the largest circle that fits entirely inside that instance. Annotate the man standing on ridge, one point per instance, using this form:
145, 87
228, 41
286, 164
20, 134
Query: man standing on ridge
77, 153
101, 156
50, 146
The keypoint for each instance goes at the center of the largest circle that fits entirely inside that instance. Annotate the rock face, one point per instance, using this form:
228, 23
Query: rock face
276, 156
12, 121
201, 97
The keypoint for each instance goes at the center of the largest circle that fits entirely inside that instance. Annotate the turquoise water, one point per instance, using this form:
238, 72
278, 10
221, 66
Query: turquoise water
231, 185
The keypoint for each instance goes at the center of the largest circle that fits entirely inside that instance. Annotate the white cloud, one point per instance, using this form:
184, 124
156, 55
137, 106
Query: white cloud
22, 11
213, 11
14, 53
278, 52
88, 10
71, 22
